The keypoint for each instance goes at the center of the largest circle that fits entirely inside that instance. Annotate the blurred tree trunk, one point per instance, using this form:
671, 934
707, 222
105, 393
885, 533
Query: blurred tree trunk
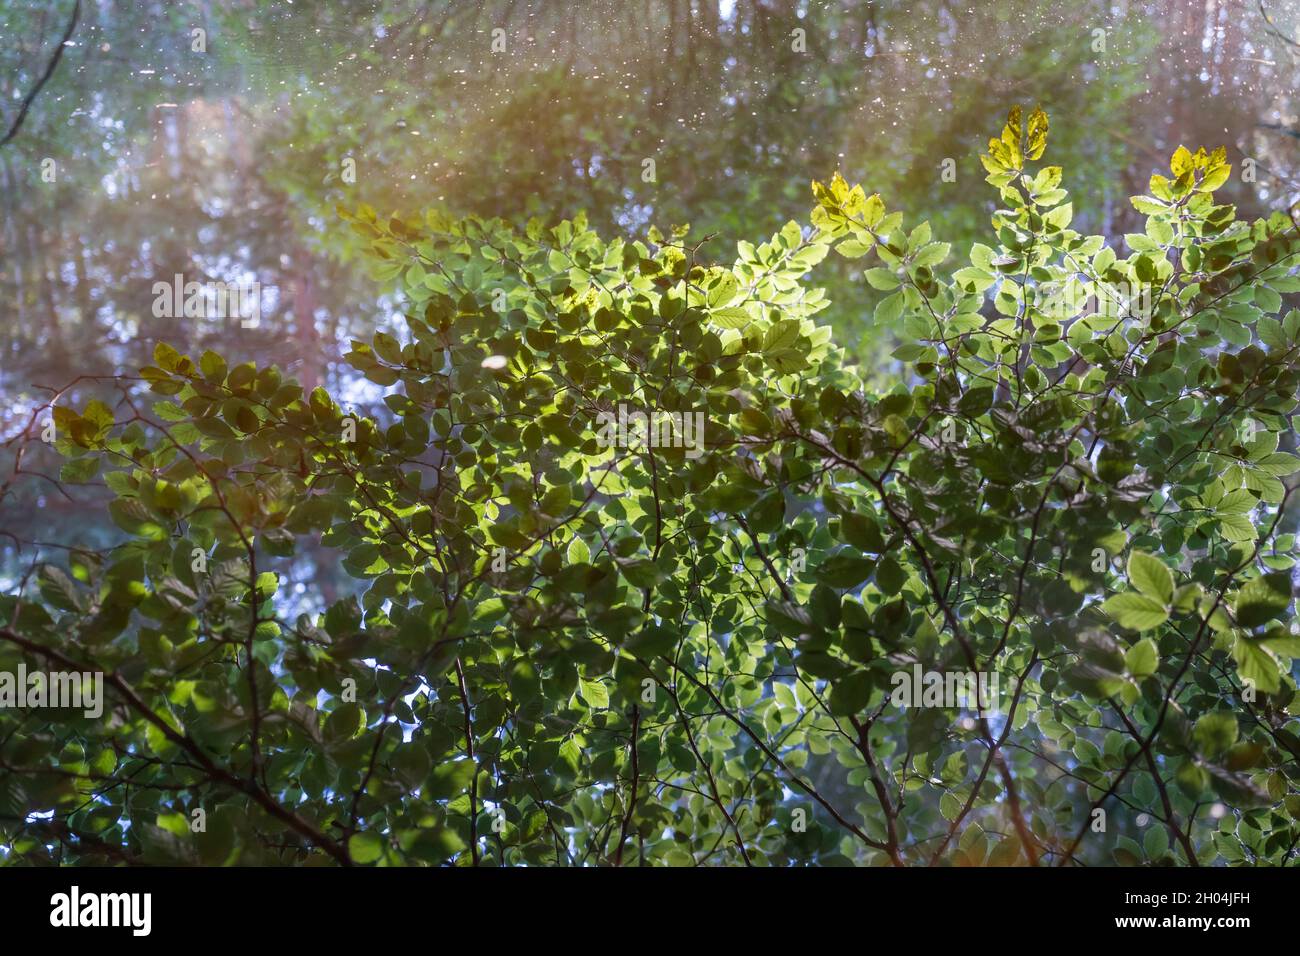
304, 320
50, 318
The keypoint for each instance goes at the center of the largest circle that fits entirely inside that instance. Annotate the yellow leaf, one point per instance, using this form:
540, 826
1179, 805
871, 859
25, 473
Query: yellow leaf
1037, 137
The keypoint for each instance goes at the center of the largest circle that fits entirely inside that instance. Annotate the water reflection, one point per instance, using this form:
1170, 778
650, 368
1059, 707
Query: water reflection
215, 144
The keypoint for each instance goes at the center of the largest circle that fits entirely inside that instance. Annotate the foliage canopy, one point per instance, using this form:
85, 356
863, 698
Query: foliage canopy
571, 652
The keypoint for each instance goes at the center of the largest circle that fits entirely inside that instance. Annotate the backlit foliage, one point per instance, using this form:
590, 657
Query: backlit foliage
566, 653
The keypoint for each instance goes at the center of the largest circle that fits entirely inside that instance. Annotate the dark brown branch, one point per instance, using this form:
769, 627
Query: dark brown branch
49, 71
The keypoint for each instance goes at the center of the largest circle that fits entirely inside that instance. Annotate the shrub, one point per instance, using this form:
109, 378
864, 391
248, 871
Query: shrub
576, 644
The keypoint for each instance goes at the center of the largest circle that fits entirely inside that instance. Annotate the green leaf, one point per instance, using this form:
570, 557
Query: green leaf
365, 847
931, 255
881, 278
594, 693
572, 753
890, 576
213, 367
79, 470
1150, 576
731, 317
853, 248
1263, 598
1256, 666
789, 618
845, 570
578, 552
1192, 779
1136, 611
344, 722
850, 693
1127, 852
168, 358
1143, 658
1237, 528
976, 401
862, 532
1214, 733
1281, 641
888, 311
1156, 841
1094, 680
